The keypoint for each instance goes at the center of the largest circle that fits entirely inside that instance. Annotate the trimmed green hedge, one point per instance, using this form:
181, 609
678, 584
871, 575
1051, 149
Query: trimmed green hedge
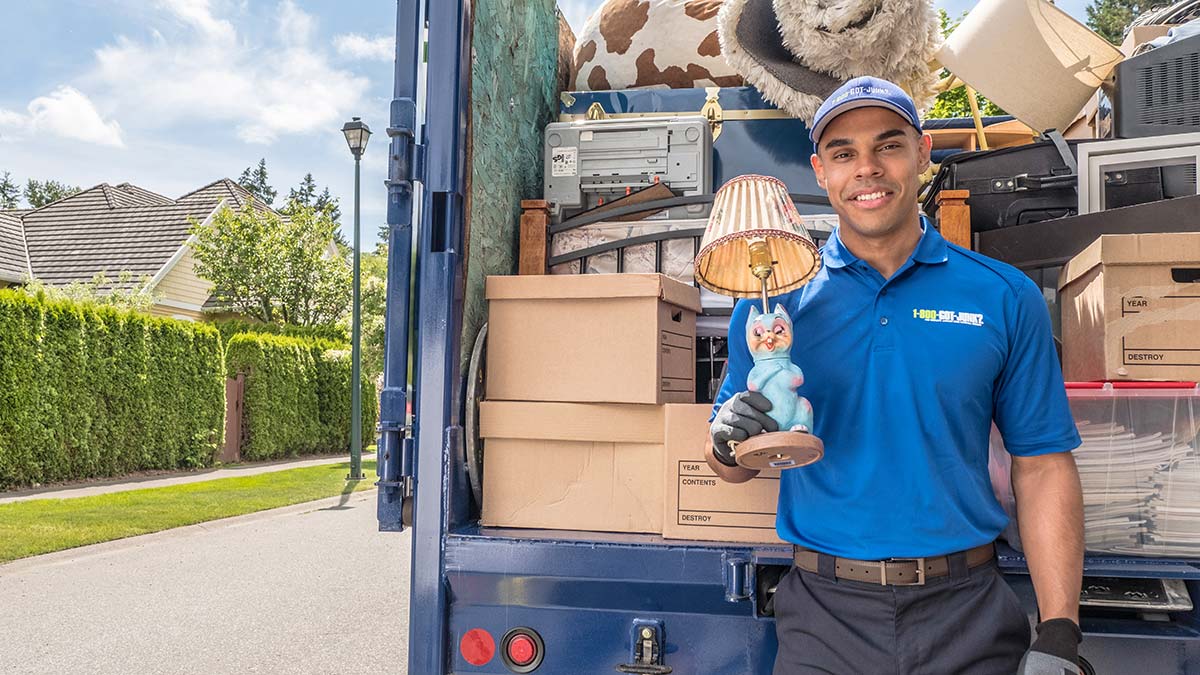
231, 327
297, 396
89, 392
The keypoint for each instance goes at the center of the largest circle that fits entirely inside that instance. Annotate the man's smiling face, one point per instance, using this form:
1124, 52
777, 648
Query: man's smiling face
870, 162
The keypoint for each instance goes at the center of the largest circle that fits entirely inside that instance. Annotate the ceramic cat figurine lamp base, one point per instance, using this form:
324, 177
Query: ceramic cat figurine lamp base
769, 337
755, 246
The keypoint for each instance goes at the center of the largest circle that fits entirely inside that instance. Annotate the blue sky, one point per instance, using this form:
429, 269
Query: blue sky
173, 94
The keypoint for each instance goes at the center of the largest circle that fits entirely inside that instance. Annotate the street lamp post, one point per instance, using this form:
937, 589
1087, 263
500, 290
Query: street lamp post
356, 134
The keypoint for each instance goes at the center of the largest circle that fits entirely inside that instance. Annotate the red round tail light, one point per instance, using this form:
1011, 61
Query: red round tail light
477, 647
522, 650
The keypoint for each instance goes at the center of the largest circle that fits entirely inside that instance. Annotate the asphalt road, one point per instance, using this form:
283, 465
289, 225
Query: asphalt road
311, 589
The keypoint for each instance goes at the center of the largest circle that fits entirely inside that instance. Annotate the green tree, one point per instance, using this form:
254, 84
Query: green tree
374, 302
40, 193
326, 201
10, 193
124, 292
255, 180
306, 195
1110, 18
274, 269
954, 103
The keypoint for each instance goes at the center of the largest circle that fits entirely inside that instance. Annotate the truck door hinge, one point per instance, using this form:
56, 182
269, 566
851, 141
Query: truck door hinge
737, 579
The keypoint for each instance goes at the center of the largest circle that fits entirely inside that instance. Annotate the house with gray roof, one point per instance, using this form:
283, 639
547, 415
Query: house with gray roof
118, 228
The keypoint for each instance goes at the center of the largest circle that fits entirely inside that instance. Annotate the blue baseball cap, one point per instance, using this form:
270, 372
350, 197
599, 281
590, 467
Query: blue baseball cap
862, 92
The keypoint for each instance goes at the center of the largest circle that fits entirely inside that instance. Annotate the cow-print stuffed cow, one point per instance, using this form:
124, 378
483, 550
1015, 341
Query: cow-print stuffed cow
628, 44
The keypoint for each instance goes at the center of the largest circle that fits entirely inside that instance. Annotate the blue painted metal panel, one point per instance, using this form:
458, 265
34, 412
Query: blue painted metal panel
394, 460
583, 600
1097, 565
436, 426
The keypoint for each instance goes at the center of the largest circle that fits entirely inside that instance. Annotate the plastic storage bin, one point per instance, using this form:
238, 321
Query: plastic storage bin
1138, 464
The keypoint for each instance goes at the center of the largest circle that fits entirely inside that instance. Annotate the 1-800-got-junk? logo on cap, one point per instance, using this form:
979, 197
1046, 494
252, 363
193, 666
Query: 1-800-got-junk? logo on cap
862, 92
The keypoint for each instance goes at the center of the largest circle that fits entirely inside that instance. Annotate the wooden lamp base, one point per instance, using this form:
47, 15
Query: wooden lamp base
779, 450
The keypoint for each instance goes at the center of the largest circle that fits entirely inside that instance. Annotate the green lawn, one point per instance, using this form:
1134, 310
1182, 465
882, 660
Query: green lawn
44, 525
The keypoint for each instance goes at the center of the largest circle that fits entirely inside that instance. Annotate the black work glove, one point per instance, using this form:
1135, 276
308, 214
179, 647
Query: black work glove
1055, 651
742, 416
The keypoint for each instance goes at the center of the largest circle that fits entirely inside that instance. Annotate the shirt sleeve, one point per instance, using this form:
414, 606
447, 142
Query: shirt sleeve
1031, 409
740, 361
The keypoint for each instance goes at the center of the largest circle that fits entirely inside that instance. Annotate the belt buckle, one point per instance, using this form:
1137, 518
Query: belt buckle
920, 580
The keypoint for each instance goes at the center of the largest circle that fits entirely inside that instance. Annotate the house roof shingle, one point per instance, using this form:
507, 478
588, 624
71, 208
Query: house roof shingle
14, 264
231, 192
109, 229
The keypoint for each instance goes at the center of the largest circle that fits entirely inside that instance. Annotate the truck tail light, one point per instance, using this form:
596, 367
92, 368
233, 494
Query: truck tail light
477, 646
522, 650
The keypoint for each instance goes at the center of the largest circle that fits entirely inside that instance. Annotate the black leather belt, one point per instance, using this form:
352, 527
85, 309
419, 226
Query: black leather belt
893, 571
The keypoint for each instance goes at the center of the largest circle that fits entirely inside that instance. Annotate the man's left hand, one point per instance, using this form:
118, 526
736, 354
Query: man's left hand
1055, 651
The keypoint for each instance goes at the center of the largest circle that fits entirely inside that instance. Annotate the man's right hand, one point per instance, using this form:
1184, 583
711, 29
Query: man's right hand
739, 418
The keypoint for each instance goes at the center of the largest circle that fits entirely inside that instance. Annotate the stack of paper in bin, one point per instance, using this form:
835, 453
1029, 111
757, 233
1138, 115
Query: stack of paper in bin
1174, 509
1118, 470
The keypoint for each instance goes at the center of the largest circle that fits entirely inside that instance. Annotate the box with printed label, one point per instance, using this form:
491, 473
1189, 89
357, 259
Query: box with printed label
1131, 309
699, 504
572, 466
591, 338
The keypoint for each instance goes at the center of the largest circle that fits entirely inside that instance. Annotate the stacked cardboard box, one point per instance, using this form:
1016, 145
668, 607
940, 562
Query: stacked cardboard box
589, 423
1131, 309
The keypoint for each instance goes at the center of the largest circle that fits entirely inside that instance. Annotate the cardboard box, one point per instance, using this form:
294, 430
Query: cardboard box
1139, 35
699, 505
603, 338
572, 466
1131, 309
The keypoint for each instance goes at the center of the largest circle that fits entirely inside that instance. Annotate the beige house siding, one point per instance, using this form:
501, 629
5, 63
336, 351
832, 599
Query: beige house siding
181, 293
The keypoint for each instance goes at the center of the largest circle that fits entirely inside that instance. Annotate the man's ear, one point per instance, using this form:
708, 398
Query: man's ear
819, 168
925, 150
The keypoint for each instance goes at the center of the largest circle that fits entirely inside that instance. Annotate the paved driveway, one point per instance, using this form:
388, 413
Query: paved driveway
312, 588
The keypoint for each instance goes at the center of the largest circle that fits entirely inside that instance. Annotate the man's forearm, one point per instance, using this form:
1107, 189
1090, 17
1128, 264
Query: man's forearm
731, 474
1050, 517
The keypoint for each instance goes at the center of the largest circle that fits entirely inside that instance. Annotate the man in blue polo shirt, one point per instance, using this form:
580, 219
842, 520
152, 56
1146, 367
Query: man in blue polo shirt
911, 348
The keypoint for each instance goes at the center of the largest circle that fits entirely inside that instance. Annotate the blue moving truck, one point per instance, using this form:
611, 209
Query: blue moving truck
492, 600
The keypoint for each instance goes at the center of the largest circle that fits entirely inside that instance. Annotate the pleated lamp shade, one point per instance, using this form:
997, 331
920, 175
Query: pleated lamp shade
752, 209
1031, 59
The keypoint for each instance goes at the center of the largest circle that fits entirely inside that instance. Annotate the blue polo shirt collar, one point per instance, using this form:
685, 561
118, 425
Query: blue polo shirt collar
931, 250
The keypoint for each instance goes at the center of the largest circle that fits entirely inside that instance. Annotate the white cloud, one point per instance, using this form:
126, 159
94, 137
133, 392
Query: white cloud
355, 46
262, 87
196, 13
295, 27
65, 112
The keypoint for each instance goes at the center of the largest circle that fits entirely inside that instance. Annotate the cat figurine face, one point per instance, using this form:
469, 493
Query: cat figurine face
769, 335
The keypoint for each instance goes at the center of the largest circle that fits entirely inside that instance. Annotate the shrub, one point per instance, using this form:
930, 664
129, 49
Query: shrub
89, 391
231, 327
296, 397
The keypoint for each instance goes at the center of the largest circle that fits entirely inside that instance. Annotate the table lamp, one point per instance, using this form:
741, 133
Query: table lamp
756, 246
1030, 58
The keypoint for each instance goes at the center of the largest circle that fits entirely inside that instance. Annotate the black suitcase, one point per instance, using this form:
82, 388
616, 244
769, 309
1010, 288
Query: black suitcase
1032, 183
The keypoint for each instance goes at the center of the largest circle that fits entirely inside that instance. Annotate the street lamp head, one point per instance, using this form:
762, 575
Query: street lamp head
356, 134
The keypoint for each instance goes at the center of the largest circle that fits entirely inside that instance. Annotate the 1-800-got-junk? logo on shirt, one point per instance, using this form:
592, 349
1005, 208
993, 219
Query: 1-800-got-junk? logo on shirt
948, 316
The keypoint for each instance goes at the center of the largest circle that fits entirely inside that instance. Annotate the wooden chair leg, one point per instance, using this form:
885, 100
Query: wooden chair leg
534, 247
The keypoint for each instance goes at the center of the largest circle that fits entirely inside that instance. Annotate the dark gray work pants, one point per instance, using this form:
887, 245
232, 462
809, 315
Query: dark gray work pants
970, 623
